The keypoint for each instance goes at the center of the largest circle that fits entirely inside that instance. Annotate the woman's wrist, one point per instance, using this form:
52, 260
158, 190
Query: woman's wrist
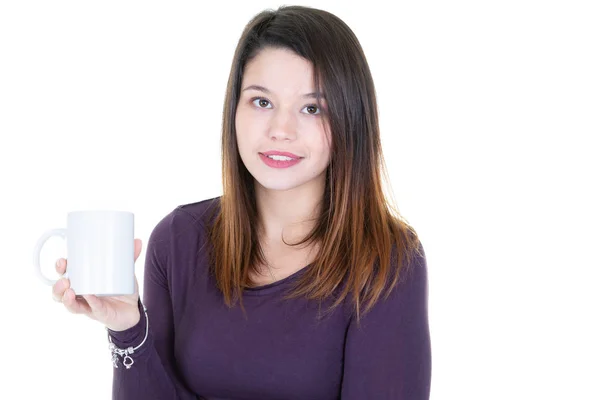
129, 343
132, 334
123, 326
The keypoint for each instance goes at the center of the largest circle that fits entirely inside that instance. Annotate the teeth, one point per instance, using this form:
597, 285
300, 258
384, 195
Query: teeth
280, 158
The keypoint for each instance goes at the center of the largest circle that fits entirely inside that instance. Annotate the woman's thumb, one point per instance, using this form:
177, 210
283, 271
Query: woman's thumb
95, 303
137, 248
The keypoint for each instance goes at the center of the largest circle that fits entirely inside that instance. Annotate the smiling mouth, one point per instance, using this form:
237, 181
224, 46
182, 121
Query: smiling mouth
279, 161
281, 158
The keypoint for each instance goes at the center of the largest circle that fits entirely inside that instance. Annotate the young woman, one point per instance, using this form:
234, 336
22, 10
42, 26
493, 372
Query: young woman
298, 282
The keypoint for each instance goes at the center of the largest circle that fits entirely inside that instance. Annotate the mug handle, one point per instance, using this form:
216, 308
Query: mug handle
38, 250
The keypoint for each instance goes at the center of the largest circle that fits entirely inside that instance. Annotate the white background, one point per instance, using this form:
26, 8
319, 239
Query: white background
490, 126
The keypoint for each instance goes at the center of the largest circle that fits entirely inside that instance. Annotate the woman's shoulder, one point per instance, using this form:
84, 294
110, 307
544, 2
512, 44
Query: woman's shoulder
185, 219
201, 212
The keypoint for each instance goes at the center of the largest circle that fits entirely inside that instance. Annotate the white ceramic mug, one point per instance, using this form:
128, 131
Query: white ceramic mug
100, 252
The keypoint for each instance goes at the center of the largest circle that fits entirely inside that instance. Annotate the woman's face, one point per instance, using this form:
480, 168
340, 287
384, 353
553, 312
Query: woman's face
277, 113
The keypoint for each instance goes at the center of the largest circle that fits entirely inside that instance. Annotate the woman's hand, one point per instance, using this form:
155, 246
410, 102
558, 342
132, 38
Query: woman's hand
115, 312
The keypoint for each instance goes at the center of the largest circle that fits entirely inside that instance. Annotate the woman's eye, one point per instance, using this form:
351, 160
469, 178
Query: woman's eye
312, 109
262, 103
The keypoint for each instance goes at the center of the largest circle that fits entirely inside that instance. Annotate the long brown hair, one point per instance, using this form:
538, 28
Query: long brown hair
364, 242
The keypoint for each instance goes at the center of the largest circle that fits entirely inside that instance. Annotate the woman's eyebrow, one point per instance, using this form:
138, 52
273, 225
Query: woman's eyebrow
267, 91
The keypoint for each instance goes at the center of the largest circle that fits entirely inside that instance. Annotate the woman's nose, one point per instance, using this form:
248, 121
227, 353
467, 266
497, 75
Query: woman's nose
283, 126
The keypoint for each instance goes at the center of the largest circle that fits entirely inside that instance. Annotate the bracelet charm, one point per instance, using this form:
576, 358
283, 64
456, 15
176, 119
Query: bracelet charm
115, 360
127, 363
125, 353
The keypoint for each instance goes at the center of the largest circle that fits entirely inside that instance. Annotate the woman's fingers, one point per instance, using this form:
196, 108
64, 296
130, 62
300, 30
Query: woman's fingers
75, 305
96, 305
58, 290
61, 266
137, 248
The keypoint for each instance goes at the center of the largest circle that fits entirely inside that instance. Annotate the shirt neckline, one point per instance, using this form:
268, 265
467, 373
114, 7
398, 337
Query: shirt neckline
274, 286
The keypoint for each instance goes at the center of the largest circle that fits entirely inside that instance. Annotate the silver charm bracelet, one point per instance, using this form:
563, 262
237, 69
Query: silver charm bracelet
125, 353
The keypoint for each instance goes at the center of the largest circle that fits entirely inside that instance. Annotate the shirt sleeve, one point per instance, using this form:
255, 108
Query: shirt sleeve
154, 374
388, 355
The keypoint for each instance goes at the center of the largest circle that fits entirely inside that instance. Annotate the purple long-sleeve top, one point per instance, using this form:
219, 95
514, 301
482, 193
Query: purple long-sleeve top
198, 348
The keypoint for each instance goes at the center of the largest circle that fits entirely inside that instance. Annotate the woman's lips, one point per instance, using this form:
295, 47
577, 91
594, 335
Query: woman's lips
279, 163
